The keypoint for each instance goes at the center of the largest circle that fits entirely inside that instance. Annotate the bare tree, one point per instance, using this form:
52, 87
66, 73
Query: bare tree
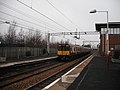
28, 37
38, 39
1, 40
33, 39
10, 36
21, 38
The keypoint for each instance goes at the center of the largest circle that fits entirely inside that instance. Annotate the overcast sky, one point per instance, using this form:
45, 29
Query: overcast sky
76, 10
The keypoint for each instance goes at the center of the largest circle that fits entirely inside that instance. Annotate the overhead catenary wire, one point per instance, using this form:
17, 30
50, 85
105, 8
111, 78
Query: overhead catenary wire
29, 16
24, 20
62, 13
43, 15
20, 25
17, 25
6, 20
30, 29
20, 18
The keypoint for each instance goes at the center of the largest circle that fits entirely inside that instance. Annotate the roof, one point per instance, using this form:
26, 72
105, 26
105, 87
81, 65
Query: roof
98, 26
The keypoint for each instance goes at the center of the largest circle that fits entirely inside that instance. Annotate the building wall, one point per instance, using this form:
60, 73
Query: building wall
114, 35
114, 42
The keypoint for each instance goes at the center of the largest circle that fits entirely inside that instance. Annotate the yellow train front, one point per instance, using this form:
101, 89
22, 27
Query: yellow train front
63, 51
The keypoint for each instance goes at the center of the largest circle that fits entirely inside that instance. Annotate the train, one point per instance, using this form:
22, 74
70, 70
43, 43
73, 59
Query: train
66, 52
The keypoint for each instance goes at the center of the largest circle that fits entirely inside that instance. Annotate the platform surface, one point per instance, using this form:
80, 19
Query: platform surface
14, 62
98, 76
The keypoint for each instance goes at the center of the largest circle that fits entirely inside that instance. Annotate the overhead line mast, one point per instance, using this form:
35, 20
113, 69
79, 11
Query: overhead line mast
75, 33
69, 33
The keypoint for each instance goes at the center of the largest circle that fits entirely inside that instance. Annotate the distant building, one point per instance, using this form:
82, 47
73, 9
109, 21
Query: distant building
114, 36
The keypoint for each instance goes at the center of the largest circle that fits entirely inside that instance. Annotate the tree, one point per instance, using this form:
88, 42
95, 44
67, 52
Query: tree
10, 36
21, 38
1, 40
33, 39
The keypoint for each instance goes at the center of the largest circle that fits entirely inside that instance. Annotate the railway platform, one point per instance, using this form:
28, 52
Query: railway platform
92, 74
26, 60
98, 76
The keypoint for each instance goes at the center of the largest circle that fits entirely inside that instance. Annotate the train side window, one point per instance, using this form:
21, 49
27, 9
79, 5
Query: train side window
74, 49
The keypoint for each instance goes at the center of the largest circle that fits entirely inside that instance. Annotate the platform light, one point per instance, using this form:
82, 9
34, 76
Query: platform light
107, 36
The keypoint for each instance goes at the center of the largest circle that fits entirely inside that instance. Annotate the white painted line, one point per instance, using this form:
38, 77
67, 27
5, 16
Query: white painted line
77, 66
82, 79
50, 85
21, 62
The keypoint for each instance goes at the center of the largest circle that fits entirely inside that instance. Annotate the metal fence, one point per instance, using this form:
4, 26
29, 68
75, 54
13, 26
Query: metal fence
21, 52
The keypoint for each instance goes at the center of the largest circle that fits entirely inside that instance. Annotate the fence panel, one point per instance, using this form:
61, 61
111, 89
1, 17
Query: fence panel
21, 52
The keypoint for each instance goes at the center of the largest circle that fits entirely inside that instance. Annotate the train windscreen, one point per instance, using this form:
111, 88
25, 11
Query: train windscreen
63, 47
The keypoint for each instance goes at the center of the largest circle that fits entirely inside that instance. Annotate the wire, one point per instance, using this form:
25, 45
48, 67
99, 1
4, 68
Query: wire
18, 25
20, 18
43, 15
27, 15
20, 12
23, 20
61, 13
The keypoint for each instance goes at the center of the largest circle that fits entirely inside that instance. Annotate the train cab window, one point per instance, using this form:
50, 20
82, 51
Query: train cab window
67, 47
63, 47
59, 47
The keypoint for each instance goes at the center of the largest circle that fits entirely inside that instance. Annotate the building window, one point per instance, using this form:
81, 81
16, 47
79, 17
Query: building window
102, 30
111, 30
105, 30
115, 30
118, 30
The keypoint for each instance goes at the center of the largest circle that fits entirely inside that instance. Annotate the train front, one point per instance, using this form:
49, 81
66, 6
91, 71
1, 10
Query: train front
63, 52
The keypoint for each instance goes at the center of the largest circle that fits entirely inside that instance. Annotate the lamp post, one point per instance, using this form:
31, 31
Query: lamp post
107, 36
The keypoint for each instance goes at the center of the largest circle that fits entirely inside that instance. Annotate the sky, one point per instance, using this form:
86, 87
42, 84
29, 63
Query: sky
75, 15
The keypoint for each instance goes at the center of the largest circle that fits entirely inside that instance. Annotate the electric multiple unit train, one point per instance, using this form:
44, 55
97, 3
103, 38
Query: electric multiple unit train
69, 52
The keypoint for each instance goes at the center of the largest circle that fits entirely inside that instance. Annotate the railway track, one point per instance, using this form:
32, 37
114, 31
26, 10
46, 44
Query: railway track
29, 78
25, 69
65, 68
19, 73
